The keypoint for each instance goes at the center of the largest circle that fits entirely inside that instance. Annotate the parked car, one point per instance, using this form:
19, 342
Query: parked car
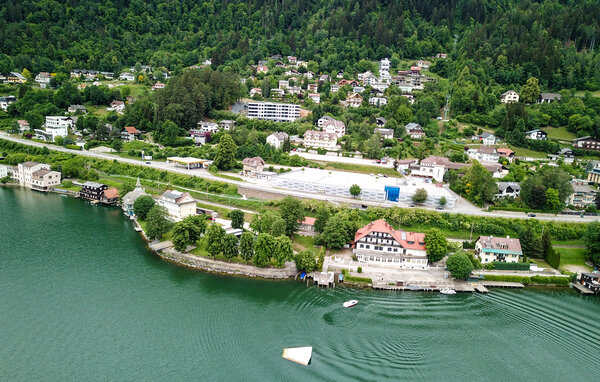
531, 215
148, 163
413, 205
440, 208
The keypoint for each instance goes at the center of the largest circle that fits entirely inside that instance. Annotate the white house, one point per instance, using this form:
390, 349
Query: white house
335, 127
284, 84
321, 121
414, 130
227, 124
536, 135
385, 133
502, 249
486, 138
57, 126
43, 79
127, 76
271, 111
276, 139
208, 127
130, 134
511, 189
484, 153
384, 65
354, 100
117, 106
320, 139
510, 96
315, 97
255, 91
5, 171
378, 101
179, 205
379, 243
36, 176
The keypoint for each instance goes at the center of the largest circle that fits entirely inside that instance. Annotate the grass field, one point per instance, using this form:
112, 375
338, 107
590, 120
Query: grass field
572, 256
559, 133
302, 243
359, 168
523, 152
581, 93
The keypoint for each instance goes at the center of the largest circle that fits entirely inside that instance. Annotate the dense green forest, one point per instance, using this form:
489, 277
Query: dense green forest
507, 40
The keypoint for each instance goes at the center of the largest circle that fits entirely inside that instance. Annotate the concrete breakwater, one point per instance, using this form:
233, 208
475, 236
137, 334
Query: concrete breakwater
210, 265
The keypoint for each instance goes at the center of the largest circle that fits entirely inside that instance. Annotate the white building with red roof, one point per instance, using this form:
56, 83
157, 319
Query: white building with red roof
502, 249
378, 242
130, 134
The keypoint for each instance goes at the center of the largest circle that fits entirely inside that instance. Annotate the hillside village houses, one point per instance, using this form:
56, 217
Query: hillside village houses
276, 139
117, 106
158, 85
506, 153
320, 139
315, 97
6, 101
491, 248
127, 76
414, 130
131, 197
509, 96
379, 243
434, 167
587, 143
583, 195
484, 153
179, 205
252, 166
594, 174
536, 135
385, 133
335, 127
378, 101
55, 126
74, 109
227, 124
92, 190
23, 126
130, 133
354, 100
208, 127
43, 79
36, 176
6, 171
486, 138
549, 97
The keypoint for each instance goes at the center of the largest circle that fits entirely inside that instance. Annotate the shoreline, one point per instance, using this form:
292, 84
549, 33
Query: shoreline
247, 270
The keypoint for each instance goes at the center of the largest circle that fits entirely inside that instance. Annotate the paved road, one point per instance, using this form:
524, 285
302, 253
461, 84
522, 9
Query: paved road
463, 207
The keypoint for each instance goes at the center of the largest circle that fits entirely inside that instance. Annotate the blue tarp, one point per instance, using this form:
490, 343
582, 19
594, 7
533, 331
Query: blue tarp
392, 193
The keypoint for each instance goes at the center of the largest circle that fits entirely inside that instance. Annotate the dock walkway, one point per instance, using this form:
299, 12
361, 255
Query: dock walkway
582, 289
500, 284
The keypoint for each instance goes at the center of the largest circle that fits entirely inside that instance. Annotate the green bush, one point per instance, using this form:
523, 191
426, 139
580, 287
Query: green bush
511, 266
359, 269
564, 281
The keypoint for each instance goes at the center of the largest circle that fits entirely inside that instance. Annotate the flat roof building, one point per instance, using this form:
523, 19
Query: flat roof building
272, 111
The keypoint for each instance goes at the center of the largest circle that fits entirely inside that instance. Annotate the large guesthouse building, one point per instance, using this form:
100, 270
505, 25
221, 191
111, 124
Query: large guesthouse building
502, 249
378, 242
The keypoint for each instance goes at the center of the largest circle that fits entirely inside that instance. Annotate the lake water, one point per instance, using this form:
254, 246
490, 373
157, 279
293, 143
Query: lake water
81, 298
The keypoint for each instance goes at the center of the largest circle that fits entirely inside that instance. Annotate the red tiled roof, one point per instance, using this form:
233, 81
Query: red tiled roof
504, 151
111, 193
308, 220
383, 226
506, 243
132, 130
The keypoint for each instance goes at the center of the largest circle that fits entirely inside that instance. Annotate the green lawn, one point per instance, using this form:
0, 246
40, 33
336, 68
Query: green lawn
559, 133
138, 145
70, 188
523, 152
305, 242
360, 168
581, 93
572, 256
568, 242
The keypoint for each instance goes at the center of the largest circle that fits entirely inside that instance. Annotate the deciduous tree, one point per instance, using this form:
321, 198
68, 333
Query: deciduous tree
436, 244
142, 206
459, 265
247, 246
237, 219
157, 222
226, 152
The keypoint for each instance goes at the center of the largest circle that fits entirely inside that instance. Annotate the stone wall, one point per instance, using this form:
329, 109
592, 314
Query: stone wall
228, 268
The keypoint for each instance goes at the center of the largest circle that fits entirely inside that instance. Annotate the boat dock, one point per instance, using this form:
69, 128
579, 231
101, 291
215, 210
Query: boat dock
324, 279
481, 289
160, 245
500, 284
581, 288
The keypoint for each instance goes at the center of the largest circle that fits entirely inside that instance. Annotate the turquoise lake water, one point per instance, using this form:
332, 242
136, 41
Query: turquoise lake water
82, 299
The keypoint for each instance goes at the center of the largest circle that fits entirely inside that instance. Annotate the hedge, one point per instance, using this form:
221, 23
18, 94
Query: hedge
542, 280
510, 266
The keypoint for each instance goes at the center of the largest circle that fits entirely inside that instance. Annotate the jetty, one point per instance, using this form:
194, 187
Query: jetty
582, 289
324, 279
500, 284
481, 289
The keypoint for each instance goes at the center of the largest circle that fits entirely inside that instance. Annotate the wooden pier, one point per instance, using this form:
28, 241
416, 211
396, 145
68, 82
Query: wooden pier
500, 284
582, 289
481, 289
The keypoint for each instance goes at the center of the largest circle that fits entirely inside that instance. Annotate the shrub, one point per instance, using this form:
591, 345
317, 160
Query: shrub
511, 266
359, 269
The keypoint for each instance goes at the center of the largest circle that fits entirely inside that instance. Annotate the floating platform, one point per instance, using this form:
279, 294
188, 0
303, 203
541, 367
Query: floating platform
481, 289
301, 355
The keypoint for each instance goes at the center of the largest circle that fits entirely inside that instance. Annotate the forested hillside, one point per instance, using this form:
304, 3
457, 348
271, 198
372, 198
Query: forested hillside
509, 40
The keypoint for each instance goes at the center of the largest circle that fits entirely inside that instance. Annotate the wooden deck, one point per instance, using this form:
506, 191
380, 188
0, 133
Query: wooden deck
500, 284
481, 289
582, 289
324, 279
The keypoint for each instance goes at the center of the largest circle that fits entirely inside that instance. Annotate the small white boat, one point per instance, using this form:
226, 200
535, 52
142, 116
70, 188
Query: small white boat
447, 291
350, 303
